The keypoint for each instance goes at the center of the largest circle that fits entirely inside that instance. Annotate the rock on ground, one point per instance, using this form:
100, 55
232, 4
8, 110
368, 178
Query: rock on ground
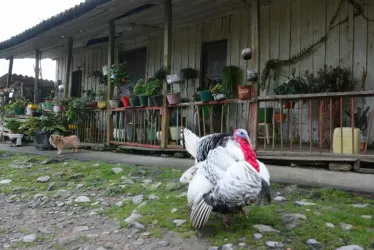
265, 228
82, 199
350, 247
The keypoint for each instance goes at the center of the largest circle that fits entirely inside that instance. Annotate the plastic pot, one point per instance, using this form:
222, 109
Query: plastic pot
150, 102
219, 97
151, 134
57, 109
280, 117
114, 104
134, 100
206, 96
174, 134
102, 105
244, 92
92, 104
174, 98
126, 101
19, 110
157, 100
143, 100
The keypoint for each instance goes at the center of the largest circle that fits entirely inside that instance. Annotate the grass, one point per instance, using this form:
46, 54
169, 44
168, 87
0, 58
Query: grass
334, 206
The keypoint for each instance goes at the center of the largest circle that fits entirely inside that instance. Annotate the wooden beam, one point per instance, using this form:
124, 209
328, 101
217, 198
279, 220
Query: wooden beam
68, 67
111, 48
36, 83
10, 72
167, 66
255, 33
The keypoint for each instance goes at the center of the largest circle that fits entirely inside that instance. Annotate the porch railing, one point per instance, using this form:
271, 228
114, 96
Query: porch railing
137, 126
91, 129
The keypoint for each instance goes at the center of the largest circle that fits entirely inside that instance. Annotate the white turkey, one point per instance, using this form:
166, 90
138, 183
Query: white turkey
224, 184
200, 147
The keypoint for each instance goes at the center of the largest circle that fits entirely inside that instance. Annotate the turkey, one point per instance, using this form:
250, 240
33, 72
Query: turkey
200, 147
224, 184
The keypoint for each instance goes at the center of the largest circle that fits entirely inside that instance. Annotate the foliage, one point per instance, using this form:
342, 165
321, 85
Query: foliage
229, 77
102, 94
77, 108
17, 103
60, 101
98, 76
160, 74
189, 73
329, 79
14, 125
49, 122
90, 94
120, 74
140, 88
295, 85
360, 119
217, 89
153, 87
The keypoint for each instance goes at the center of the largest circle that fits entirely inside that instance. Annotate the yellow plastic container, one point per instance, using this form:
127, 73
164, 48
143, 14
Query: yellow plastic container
347, 140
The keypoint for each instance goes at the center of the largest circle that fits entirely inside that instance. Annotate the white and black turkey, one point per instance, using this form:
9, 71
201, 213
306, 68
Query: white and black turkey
224, 184
200, 147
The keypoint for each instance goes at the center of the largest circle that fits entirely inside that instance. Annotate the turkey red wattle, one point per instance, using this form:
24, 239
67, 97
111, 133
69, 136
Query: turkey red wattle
249, 154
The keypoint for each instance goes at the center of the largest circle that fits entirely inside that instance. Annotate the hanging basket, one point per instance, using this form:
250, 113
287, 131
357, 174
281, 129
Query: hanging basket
174, 98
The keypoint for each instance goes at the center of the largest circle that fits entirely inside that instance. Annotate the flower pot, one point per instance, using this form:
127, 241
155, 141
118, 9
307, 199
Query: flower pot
126, 101
28, 111
105, 70
57, 109
244, 92
157, 100
72, 126
280, 118
206, 96
92, 104
158, 135
269, 115
114, 104
41, 140
33, 107
150, 102
219, 97
16, 136
19, 110
134, 100
174, 98
174, 134
175, 78
289, 104
143, 100
102, 105
151, 134
48, 105
140, 135
118, 134
246, 54
129, 132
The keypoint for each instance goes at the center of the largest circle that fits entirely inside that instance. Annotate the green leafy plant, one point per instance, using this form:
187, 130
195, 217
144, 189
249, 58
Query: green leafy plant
189, 73
102, 94
160, 74
49, 122
140, 88
77, 109
153, 87
295, 85
120, 74
60, 101
97, 76
217, 89
360, 119
14, 126
229, 78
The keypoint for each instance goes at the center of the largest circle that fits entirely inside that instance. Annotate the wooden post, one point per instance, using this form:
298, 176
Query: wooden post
68, 67
255, 33
10, 72
167, 66
111, 48
36, 83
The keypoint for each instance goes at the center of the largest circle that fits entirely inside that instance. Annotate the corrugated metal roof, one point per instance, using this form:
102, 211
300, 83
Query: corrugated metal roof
54, 21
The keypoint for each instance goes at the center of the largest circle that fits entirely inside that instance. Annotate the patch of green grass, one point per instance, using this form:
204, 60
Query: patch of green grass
334, 206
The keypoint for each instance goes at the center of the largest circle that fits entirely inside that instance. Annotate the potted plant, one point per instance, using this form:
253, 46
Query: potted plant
59, 104
15, 131
229, 78
218, 92
76, 111
97, 76
120, 77
102, 99
18, 106
153, 89
91, 96
140, 90
189, 73
175, 78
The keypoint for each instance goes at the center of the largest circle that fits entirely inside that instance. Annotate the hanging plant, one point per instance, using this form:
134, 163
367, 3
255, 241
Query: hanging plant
229, 77
189, 73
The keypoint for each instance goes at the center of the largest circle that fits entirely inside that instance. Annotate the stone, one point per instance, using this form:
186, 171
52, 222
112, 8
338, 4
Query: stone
312, 242
174, 210
367, 217
305, 203
360, 205
178, 155
265, 229
172, 186
142, 204
43, 179
139, 242
350, 247
162, 243
330, 225
101, 248
119, 204
138, 199
132, 218
5, 182
60, 204
345, 226
152, 186
178, 223
80, 229
50, 161
117, 170
82, 199
51, 186
153, 197
137, 225
146, 234
242, 245
31, 160
29, 238
273, 244
228, 246
258, 236
292, 220
6, 246
214, 248
21, 165
340, 166
280, 198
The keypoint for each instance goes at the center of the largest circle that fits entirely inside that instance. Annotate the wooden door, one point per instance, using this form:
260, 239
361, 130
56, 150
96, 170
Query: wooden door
76, 83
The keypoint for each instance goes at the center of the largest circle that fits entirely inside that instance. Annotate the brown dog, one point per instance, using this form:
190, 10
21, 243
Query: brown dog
61, 142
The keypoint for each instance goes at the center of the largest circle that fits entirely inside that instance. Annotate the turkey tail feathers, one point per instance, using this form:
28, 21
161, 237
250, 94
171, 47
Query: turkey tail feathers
200, 214
189, 140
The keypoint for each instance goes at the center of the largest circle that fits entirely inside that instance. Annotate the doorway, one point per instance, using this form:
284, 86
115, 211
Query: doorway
76, 83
